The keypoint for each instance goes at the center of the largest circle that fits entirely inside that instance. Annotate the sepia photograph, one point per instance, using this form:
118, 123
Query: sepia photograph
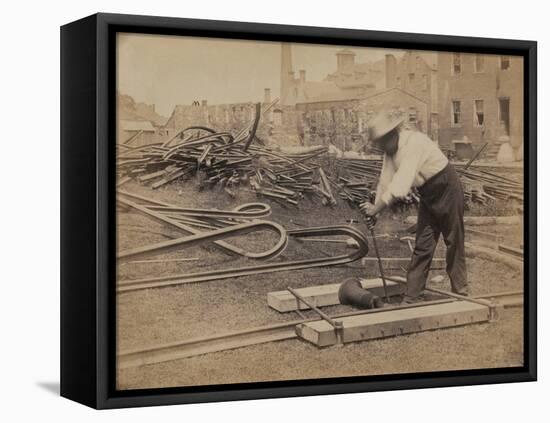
289, 211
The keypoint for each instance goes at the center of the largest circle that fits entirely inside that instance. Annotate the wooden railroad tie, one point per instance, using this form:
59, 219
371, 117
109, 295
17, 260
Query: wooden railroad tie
326, 295
394, 322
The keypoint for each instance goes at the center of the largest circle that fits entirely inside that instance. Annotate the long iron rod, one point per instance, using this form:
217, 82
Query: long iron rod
324, 316
179, 279
375, 244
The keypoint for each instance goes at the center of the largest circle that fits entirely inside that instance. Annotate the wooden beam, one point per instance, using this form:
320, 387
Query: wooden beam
394, 322
325, 295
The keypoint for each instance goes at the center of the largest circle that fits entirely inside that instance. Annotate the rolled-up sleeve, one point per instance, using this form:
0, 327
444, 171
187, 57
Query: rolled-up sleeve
386, 175
403, 179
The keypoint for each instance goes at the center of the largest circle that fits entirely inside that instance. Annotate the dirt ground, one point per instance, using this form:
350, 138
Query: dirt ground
157, 316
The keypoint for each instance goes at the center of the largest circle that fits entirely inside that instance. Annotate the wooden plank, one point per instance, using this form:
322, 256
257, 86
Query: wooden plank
325, 295
394, 322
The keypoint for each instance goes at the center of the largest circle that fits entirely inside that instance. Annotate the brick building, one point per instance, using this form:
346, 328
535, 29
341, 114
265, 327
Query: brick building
279, 125
343, 121
405, 85
416, 73
219, 117
480, 97
359, 78
449, 96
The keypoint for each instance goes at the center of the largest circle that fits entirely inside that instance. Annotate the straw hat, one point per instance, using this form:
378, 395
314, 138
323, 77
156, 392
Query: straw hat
382, 124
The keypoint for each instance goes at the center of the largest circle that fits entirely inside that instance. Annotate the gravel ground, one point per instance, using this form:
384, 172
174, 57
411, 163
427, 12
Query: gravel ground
147, 318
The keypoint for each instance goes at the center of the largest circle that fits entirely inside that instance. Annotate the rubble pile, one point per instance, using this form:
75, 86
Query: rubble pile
230, 160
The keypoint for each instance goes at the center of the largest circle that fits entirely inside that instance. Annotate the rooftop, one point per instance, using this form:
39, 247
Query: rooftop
136, 125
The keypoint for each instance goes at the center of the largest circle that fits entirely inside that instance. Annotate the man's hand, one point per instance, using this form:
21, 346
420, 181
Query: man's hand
369, 211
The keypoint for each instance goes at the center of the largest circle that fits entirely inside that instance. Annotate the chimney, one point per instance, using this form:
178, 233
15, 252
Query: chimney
391, 71
345, 59
204, 103
267, 95
286, 68
302, 76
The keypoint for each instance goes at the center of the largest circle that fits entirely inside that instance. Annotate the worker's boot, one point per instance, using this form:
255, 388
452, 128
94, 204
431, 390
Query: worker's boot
411, 300
465, 292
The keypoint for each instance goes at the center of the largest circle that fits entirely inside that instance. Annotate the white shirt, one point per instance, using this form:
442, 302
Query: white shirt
417, 159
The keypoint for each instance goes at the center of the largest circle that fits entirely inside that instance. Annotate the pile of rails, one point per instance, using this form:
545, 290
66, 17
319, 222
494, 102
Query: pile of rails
481, 186
287, 177
358, 178
227, 160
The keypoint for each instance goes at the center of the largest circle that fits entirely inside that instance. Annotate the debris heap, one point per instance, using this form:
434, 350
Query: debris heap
228, 160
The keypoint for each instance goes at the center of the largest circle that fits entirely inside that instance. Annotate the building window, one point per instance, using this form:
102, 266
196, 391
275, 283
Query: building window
411, 78
504, 114
412, 116
479, 63
455, 113
457, 64
479, 113
504, 62
425, 82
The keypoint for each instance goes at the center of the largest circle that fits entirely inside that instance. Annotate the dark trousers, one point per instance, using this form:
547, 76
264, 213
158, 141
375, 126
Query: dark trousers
441, 211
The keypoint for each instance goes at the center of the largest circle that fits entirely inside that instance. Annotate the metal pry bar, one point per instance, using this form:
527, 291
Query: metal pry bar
337, 325
380, 264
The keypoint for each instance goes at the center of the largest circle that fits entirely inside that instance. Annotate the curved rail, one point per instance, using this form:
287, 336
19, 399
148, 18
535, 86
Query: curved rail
145, 210
180, 279
210, 138
209, 236
190, 128
244, 211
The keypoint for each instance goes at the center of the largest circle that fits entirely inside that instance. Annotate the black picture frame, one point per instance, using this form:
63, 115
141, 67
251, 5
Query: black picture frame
87, 209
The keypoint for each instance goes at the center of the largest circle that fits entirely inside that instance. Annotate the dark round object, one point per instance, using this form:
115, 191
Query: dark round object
352, 293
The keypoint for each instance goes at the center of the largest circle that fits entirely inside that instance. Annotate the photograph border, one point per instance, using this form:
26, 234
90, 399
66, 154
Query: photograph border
88, 230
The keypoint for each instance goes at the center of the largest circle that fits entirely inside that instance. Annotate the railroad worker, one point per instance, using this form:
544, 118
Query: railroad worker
412, 160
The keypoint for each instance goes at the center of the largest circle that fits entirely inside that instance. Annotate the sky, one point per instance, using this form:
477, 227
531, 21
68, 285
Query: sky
170, 70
